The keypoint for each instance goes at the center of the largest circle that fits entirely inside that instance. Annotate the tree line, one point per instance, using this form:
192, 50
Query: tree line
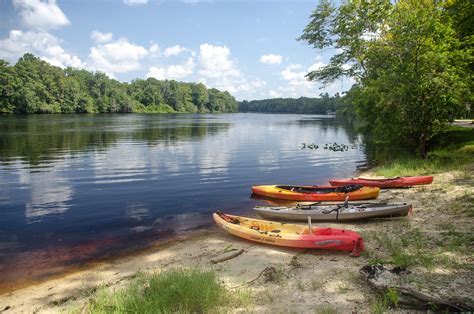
412, 61
34, 86
322, 105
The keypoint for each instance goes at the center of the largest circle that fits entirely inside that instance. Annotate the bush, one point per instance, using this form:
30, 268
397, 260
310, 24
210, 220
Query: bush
183, 291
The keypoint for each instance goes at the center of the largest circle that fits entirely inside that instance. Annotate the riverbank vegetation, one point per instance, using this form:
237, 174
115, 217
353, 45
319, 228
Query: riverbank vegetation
453, 150
322, 105
34, 86
175, 291
411, 60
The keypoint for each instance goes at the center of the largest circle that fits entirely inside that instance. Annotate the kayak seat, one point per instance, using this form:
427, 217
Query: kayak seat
262, 228
317, 231
304, 232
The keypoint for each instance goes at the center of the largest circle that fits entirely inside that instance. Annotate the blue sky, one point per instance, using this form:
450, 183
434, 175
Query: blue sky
246, 47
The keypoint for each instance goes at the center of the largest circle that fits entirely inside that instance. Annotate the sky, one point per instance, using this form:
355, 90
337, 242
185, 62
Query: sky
248, 48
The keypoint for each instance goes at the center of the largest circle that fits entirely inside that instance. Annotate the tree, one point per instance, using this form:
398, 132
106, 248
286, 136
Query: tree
408, 61
9, 85
34, 86
293, 105
350, 29
200, 96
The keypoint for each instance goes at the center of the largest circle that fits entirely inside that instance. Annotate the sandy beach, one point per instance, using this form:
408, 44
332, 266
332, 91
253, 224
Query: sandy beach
303, 280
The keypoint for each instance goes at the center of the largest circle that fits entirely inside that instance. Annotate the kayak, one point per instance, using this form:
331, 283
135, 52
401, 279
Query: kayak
381, 182
269, 201
290, 235
316, 193
335, 212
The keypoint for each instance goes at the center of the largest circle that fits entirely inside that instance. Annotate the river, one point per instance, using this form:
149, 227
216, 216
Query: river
80, 188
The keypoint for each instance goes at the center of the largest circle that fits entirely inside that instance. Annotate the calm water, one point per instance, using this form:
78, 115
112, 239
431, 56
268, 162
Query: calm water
76, 188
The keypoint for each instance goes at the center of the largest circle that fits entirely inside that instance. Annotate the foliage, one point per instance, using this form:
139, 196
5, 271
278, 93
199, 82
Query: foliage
452, 150
177, 291
34, 86
389, 298
291, 105
412, 62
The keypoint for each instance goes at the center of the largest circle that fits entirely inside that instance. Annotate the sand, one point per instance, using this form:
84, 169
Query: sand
307, 280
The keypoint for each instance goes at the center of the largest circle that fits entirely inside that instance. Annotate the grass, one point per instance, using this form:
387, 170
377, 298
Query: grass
454, 239
463, 205
316, 284
382, 304
406, 246
453, 150
301, 286
399, 251
342, 287
184, 291
228, 248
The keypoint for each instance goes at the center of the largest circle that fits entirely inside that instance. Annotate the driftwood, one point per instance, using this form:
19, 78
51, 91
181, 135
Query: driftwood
382, 279
268, 273
226, 258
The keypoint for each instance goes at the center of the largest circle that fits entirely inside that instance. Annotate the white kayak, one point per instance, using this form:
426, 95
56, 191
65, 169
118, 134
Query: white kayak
334, 212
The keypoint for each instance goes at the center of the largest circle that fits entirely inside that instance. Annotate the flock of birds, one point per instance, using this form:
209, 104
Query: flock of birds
335, 147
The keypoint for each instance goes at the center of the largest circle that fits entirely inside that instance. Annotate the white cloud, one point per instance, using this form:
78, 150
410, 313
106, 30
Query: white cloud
180, 71
239, 85
274, 94
156, 72
174, 51
215, 62
135, 2
316, 66
346, 66
271, 59
42, 44
292, 74
219, 70
41, 15
116, 57
176, 72
296, 84
154, 49
100, 37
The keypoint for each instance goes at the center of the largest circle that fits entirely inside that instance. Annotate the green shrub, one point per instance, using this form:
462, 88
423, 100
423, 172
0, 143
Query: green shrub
184, 291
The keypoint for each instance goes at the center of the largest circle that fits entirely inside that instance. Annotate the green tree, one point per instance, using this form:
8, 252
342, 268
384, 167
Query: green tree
9, 86
146, 92
34, 86
200, 97
408, 61
320, 105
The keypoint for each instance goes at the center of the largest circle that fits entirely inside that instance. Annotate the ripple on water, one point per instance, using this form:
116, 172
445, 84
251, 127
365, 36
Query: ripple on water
79, 188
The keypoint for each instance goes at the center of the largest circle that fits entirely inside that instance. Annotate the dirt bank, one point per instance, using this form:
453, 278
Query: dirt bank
435, 243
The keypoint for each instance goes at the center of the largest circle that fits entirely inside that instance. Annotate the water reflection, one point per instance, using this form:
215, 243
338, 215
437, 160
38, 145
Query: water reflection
77, 188
43, 138
51, 194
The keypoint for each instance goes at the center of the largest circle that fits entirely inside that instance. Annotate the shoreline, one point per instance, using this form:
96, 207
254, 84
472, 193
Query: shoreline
64, 270
309, 279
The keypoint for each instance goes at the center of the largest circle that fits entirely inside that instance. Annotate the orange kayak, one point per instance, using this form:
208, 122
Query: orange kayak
290, 235
397, 182
316, 193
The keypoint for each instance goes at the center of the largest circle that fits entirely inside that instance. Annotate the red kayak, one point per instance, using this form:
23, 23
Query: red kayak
398, 182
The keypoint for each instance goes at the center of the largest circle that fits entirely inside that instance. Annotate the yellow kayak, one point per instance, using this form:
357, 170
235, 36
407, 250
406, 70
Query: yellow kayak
290, 235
